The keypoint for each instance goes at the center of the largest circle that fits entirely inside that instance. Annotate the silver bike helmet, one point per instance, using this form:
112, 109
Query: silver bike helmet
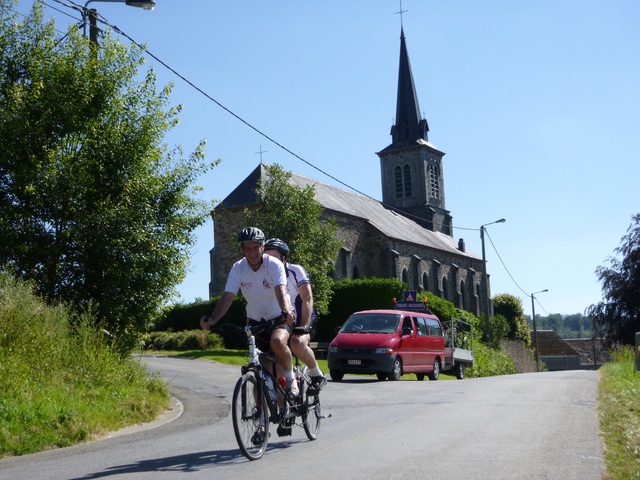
250, 234
279, 245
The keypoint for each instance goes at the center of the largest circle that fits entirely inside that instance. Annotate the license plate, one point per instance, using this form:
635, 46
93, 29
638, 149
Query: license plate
353, 362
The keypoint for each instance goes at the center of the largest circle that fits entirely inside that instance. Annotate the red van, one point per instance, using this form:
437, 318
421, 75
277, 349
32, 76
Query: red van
388, 344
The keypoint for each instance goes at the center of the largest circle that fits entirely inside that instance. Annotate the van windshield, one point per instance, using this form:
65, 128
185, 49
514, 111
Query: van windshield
371, 323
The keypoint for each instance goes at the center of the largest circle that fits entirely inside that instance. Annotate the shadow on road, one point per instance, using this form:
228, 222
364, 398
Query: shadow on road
191, 462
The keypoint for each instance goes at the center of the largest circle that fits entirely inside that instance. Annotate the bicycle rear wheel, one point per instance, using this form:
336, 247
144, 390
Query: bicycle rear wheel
250, 418
311, 412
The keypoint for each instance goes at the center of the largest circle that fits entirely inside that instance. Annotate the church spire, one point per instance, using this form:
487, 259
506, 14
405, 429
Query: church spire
410, 128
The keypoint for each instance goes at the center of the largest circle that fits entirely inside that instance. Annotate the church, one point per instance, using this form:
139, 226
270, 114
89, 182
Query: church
407, 236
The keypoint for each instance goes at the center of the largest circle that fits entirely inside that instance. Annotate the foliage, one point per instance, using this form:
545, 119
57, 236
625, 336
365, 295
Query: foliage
93, 206
499, 328
186, 316
354, 295
292, 214
61, 380
619, 416
488, 361
185, 340
510, 307
618, 316
566, 326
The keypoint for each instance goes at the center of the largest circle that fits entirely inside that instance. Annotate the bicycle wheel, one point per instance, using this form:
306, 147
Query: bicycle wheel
311, 412
250, 418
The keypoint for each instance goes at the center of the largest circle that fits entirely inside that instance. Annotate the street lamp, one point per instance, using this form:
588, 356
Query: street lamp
487, 324
535, 330
93, 17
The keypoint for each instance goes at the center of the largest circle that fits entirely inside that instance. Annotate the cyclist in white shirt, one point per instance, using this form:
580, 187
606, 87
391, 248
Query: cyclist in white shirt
262, 281
301, 296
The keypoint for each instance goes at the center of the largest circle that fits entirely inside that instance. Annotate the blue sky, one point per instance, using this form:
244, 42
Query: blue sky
535, 103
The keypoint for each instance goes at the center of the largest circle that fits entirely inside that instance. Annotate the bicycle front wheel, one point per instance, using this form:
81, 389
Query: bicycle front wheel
250, 418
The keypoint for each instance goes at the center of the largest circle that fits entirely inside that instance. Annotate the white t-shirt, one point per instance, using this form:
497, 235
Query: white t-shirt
258, 287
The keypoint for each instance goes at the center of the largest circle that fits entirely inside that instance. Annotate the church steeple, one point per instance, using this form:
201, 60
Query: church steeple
411, 167
409, 128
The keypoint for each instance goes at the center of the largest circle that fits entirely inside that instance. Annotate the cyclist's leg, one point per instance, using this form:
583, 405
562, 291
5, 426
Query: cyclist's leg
282, 352
300, 348
280, 347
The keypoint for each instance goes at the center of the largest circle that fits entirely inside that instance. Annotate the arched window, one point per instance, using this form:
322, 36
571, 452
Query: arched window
445, 288
356, 273
398, 176
407, 181
425, 281
405, 276
434, 182
463, 305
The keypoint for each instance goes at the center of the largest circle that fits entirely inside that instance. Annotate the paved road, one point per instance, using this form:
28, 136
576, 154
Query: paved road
528, 426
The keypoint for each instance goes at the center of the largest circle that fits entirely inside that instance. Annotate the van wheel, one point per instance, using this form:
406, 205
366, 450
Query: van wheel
381, 376
420, 376
336, 375
436, 370
460, 371
396, 371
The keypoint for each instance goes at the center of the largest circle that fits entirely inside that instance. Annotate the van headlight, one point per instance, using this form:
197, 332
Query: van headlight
333, 349
384, 351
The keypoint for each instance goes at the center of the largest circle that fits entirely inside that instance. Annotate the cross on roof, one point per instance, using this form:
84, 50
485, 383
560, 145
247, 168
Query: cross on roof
261, 152
401, 12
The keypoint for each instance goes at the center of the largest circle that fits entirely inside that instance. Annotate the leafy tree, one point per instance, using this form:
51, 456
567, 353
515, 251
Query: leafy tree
618, 315
292, 214
510, 307
94, 208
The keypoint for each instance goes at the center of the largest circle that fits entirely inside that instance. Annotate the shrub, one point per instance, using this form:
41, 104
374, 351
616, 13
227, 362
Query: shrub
186, 340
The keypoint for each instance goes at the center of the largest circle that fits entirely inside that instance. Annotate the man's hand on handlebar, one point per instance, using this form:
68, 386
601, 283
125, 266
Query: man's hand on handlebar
289, 317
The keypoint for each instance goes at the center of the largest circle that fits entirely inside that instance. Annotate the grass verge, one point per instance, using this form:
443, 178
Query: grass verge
61, 383
619, 415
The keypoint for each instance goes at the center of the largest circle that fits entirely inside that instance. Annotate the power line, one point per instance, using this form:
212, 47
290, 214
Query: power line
143, 48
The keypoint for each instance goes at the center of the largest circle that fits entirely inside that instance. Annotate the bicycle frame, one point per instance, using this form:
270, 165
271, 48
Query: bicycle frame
256, 366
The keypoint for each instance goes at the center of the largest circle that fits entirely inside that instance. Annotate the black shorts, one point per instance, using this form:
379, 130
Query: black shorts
263, 337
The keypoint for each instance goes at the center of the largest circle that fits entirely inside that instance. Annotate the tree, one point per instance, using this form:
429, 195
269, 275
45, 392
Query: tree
94, 208
510, 307
292, 214
617, 317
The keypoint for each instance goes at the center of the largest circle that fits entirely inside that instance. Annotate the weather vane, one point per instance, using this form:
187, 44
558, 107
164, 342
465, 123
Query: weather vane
401, 12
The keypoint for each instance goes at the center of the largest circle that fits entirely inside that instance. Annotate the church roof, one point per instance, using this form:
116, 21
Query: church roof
390, 223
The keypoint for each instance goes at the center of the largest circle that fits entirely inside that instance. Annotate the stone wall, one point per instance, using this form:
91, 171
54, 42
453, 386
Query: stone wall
523, 358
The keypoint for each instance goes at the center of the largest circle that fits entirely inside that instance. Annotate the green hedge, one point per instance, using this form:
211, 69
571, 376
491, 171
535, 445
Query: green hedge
185, 340
354, 295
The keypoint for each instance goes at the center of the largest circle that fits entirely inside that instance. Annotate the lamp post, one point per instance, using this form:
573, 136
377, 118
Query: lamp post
93, 17
487, 324
535, 330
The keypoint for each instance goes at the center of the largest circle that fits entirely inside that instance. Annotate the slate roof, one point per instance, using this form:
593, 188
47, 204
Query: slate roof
550, 344
392, 224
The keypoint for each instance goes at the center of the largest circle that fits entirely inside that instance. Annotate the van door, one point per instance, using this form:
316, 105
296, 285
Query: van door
422, 356
406, 344
435, 344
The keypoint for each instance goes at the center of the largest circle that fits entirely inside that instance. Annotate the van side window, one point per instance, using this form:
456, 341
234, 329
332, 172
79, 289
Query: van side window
406, 323
421, 326
434, 328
